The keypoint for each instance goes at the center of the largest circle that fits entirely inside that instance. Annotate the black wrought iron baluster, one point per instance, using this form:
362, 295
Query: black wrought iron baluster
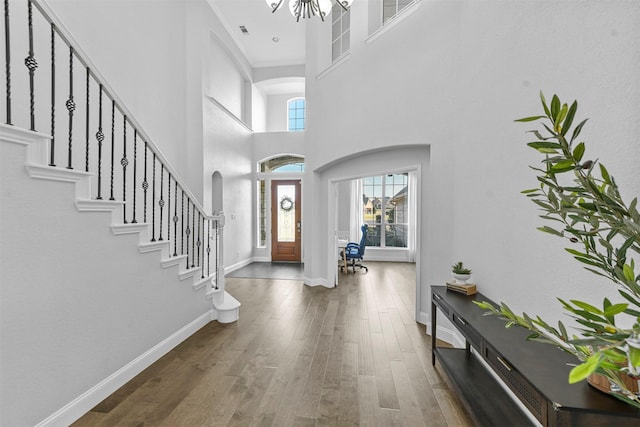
197, 250
113, 143
145, 183
71, 106
7, 63
53, 97
208, 248
32, 64
175, 220
124, 162
188, 231
153, 201
100, 138
86, 127
193, 240
182, 227
169, 210
135, 173
161, 201
201, 244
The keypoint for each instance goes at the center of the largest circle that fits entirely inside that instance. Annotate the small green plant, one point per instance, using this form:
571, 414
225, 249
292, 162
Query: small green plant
584, 205
459, 268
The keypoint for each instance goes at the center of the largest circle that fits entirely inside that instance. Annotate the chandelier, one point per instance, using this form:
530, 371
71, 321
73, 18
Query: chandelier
308, 8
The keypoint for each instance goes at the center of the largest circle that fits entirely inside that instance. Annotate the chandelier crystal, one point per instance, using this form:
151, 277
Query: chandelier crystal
308, 8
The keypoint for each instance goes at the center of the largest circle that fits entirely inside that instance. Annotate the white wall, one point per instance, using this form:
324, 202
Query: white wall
130, 44
454, 76
223, 80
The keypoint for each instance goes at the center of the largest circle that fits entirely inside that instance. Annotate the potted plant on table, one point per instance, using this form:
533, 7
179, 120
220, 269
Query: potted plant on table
460, 272
604, 234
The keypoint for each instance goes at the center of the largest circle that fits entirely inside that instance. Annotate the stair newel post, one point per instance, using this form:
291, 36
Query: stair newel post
86, 125
175, 219
153, 200
113, 143
71, 107
7, 64
193, 239
124, 162
135, 173
219, 252
145, 184
31, 64
161, 200
187, 231
53, 95
100, 138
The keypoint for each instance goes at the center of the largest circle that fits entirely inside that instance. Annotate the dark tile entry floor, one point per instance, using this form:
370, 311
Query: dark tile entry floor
270, 270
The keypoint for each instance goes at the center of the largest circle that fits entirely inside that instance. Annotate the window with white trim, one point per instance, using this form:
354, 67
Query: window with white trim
296, 114
391, 8
385, 202
340, 29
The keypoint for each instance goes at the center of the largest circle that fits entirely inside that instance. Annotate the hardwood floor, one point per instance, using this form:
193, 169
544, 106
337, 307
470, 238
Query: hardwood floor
298, 356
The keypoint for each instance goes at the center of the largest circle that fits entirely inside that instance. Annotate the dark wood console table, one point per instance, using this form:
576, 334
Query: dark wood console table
536, 373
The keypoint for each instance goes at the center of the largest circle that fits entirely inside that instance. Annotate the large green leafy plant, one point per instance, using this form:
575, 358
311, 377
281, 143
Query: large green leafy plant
582, 203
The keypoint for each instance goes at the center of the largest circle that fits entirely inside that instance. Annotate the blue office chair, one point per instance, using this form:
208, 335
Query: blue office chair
355, 252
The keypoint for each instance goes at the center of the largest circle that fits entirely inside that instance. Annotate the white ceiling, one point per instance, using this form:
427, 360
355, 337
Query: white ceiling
258, 45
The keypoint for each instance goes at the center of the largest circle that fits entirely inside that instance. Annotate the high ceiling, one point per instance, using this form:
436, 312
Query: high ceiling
263, 28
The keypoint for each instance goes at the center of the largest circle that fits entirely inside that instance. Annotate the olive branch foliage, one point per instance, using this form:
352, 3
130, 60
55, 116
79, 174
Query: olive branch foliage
582, 202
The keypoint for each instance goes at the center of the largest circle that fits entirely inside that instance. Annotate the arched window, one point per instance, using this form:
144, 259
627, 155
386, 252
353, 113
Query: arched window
295, 114
287, 163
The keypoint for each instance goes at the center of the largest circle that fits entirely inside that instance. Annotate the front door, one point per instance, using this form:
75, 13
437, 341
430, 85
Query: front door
286, 230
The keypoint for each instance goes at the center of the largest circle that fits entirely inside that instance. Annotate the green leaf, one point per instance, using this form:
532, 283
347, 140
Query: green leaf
550, 230
577, 130
544, 144
622, 250
585, 306
555, 107
588, 206
605, 174
578, 152
563, 166
577, 253
569, 120
627, 270
615, 309
529, 119
561, 115
544, 104
589, 262
582, 371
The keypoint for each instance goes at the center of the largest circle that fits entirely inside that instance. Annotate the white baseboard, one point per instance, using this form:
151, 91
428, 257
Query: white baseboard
317, 282
237, 266
424, 318
83, 403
